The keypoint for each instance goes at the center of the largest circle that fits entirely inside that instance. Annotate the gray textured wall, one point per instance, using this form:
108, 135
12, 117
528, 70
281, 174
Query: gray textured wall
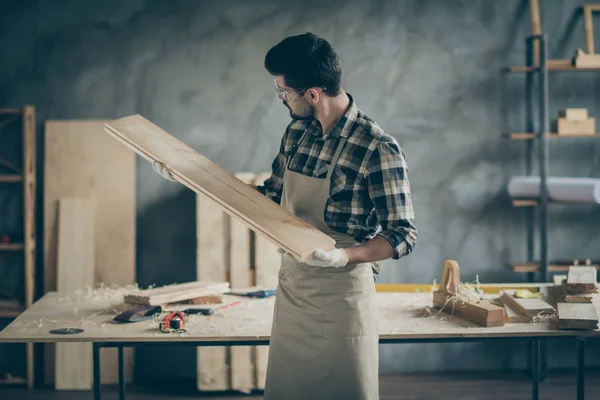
428, 71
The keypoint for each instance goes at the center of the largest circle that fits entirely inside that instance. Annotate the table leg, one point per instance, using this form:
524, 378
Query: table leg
580, 369
121, 375
535, 369
96, 361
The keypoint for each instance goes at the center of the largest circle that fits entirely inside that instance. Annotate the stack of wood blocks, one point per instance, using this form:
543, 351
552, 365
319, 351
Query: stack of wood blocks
575, 297
575, 121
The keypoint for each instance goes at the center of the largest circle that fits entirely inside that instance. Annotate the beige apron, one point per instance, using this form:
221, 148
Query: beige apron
324, 341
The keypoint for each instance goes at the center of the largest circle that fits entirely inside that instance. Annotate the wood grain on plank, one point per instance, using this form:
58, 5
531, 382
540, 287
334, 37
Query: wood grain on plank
235, 197
75, 270
82, 161
577, 316
533, 306
212, 362
482, 313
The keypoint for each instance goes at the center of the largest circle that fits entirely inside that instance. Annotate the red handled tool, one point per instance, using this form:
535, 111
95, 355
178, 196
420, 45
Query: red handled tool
173, 323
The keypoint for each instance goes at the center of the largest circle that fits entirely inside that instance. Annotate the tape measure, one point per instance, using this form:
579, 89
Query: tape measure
173, 323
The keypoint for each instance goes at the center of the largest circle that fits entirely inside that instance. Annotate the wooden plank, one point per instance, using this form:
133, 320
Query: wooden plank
588, 26
203, 176
577, 316
482, 313
176, 293
211, 231
240, 262
267, 264
582, 277
82, 161
531, 307
536, 29
75, 270
11, 178
515, 316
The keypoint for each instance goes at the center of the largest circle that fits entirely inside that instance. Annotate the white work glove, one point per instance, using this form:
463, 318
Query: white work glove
163, 171
335, 258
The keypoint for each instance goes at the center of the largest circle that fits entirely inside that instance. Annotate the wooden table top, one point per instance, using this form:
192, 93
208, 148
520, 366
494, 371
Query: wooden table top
400, 317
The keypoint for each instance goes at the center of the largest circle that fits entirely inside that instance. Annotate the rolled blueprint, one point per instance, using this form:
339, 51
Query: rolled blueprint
578, 190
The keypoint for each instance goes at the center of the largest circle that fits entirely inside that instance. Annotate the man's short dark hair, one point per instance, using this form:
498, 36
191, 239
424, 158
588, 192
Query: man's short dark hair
306, 61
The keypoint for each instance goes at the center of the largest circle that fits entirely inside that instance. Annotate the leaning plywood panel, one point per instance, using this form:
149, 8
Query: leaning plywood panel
203, 176
211, 256
240, 239
75, 269
81, 160
267, 262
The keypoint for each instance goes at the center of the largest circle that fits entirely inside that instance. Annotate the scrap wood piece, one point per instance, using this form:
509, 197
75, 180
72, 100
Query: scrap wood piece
577, 316
532, 306
446, 299
575, 298
201, 175
175, 293
581, 280
482, 313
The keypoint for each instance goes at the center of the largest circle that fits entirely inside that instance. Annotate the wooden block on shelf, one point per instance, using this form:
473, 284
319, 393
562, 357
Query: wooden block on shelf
576, 127
586, 60
482, 313
577, 316
574, 114
530, 307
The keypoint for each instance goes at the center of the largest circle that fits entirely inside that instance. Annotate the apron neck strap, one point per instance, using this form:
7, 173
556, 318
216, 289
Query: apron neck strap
336, 156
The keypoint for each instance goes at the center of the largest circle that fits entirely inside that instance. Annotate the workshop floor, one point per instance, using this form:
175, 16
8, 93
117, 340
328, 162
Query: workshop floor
497, 386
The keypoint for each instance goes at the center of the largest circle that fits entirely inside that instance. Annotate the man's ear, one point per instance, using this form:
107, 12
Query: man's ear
313, 95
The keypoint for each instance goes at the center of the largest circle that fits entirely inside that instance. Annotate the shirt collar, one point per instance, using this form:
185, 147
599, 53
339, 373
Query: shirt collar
342, 128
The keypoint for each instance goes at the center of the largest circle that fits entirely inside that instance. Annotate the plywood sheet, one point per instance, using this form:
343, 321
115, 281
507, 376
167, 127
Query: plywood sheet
75, 270
81, 160
235, 197
267, 262
240, 273
211, 231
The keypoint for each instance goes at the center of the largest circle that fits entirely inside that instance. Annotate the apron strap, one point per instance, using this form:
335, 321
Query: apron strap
336, 156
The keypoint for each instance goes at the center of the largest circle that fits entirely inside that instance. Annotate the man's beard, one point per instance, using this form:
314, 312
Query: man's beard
310, 113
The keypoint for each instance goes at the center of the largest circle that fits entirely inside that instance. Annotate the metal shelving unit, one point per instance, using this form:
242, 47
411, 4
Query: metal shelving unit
540, 71
25, 176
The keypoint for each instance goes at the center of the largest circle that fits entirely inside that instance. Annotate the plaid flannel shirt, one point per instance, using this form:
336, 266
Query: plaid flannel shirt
370, 191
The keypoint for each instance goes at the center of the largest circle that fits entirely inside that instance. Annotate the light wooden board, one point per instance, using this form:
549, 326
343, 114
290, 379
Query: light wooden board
240, 262
75, 270
531, 307
577, 316
267, 262
399, 317
211, 256
176, 293
81, 160
514, 315
582, 276
203, 176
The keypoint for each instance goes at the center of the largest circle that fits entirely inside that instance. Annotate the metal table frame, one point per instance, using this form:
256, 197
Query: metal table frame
536, 343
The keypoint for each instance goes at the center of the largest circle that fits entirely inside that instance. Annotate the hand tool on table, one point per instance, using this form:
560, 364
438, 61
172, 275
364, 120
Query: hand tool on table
138, 313
173, 323
210, 310
258, 294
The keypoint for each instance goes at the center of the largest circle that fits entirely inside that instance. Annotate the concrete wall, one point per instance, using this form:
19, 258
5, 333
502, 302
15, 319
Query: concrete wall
428, 71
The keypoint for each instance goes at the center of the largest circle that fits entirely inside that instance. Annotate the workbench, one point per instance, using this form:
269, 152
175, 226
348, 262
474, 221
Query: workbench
401, 320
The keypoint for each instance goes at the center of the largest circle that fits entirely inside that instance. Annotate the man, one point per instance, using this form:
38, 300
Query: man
339, 171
